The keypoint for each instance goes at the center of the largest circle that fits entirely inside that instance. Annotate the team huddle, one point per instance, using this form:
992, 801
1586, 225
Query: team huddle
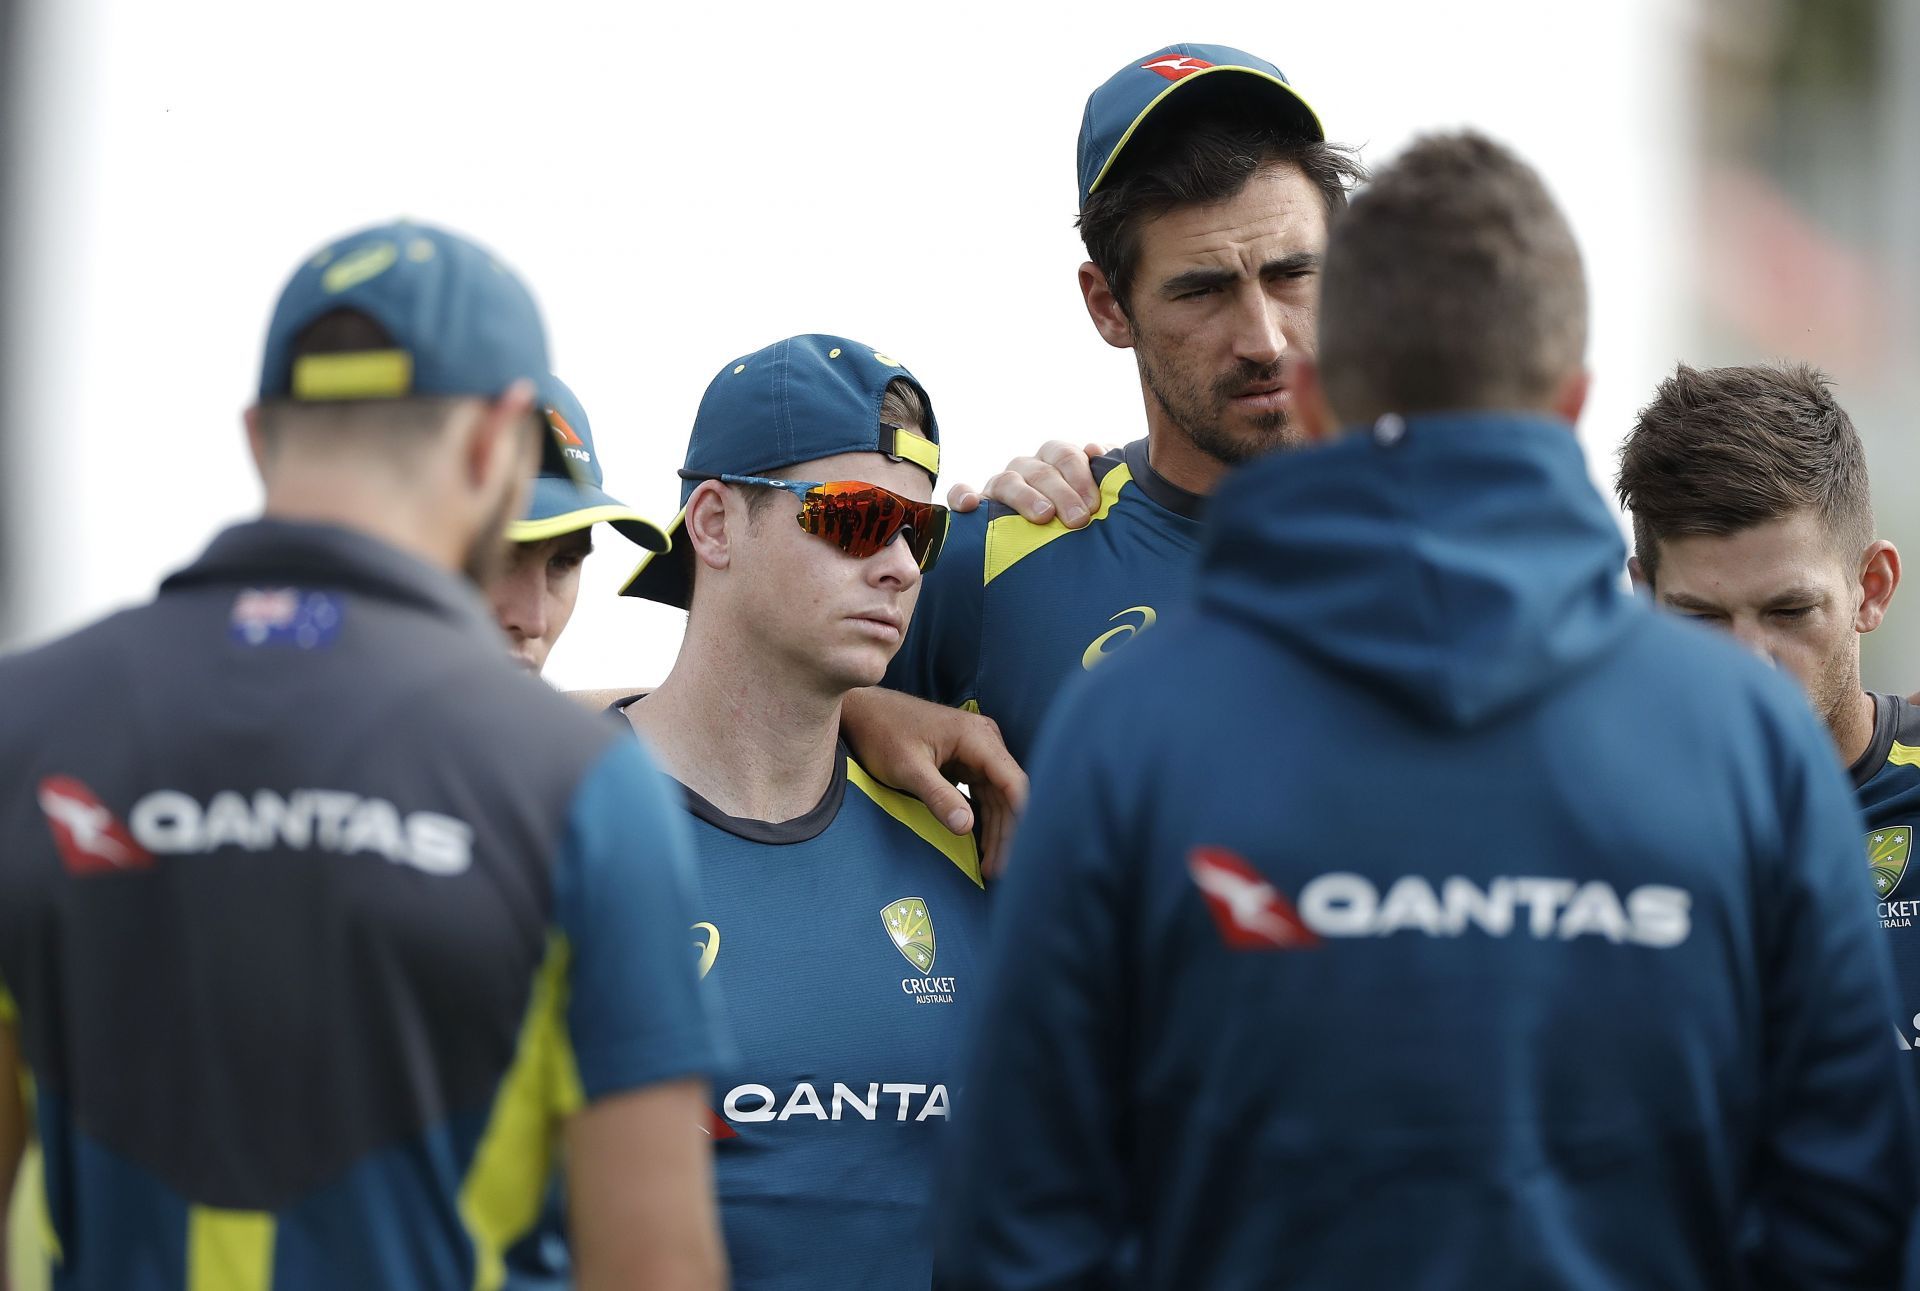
1398, 899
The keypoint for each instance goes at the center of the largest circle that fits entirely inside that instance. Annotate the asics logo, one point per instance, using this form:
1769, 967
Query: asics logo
1104, 644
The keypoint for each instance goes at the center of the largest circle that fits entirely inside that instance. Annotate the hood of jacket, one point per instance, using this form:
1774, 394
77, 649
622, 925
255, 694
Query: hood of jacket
1463, 562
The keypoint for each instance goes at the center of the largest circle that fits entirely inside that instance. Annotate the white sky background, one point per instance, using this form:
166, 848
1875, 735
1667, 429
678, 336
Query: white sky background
683, 187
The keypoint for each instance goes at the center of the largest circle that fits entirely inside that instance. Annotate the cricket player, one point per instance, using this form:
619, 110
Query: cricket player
320, 923
839, 918
1752, 513
1206, 186
1470, 924
534, 592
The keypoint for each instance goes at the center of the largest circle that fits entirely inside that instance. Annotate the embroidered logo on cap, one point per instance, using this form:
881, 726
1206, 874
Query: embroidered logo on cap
1175, 68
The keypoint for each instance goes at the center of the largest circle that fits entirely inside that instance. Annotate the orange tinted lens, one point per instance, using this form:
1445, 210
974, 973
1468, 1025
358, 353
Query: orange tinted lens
862, 519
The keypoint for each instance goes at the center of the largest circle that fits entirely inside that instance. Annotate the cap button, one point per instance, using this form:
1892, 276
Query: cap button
739, 369
1389, 430
834, 353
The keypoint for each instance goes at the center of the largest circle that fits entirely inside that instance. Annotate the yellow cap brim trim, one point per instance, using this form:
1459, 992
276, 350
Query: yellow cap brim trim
574, 521
919, 450
1147, 111
364, 374
652, 556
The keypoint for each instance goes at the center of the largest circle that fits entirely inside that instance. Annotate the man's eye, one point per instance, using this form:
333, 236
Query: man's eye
1198, 293
1793, 613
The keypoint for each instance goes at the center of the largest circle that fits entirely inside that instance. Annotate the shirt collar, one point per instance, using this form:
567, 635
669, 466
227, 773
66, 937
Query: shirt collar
279, 552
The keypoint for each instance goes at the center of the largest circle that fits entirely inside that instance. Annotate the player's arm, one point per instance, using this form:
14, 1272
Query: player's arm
923, 748
13, 1121
640, 1180
1038, 1191
1837, 1179
642, 1033
1055, 481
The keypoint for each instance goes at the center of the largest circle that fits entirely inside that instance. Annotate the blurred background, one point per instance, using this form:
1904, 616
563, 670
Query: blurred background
682, 187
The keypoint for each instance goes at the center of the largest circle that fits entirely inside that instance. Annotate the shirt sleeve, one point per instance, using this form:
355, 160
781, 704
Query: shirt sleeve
1037, 1193
624, 895
940, 659
1836, 1182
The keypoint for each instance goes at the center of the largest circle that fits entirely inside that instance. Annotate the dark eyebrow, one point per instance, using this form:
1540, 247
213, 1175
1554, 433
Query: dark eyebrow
1286, 266
1795, 596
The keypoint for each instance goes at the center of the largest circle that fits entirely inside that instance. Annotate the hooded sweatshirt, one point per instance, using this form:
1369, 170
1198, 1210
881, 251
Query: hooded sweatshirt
1420, 910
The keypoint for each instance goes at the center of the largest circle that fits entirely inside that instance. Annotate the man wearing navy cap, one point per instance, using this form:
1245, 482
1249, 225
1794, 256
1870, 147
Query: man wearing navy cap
533, 595
840, 920
1206, 186
321, 924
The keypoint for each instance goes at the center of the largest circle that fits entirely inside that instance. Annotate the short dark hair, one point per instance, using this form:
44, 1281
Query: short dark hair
1208, 160
1453, 282
1720, 450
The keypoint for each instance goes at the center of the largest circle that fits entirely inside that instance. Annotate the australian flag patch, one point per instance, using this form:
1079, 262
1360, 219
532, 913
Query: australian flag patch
285, 616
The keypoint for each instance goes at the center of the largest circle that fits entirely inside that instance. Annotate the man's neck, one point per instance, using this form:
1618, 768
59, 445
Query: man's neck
1174, 456
396, 521
740, 732
1854, 732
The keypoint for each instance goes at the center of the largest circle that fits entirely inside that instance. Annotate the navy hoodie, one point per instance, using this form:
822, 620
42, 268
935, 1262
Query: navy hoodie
1421, 911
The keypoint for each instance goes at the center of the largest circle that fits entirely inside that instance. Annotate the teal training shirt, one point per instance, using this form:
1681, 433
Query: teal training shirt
1887, 778
1014, 610
843, 944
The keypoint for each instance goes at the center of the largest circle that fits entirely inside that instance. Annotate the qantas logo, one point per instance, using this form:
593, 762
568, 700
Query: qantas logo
1252, 914
168, 822
1249, 912
745, 1104
1176, 68
90, 840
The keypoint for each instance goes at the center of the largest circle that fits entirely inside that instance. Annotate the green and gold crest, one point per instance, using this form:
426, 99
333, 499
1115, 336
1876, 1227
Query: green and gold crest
911, 928
1887, 852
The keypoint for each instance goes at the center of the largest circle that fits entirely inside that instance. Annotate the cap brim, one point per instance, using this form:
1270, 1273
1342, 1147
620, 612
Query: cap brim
1305, 117
560, 506
665, 576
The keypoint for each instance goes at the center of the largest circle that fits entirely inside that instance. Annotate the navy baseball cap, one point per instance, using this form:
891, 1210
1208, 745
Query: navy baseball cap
1188, 75
566, 503
799, 399
458, 322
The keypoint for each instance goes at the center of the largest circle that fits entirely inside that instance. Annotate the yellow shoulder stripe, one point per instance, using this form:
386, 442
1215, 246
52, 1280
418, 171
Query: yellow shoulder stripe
9, 1011
229, 1250
1011, 539
913, 813
1903, 755
507, 1182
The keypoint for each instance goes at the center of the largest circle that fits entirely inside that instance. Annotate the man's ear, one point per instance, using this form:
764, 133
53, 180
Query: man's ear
1879, 577
1311, 414
256, 439
1637, 571
1571, 398
709, 525
1103, 307
497, 441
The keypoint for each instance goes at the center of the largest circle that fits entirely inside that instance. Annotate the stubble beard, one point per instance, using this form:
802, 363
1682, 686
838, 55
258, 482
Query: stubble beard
1200, 411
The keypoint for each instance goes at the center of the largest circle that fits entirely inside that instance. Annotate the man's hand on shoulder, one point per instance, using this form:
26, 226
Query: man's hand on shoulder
1056, 481
923, 748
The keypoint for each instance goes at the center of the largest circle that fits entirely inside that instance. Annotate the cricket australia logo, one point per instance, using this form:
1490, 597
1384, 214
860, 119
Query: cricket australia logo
910, 927
1887, 852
